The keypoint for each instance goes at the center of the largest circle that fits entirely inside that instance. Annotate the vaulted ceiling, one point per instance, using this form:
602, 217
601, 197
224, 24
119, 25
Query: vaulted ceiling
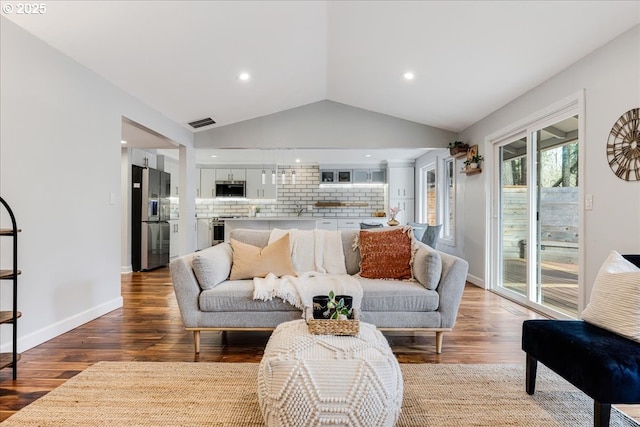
469, 58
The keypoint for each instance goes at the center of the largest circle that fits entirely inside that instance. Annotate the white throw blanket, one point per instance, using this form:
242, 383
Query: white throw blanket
299, 291
318, 259
314, 250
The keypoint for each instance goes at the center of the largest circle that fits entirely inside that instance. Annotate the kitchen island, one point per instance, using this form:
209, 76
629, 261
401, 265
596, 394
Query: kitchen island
269, 223
299, 222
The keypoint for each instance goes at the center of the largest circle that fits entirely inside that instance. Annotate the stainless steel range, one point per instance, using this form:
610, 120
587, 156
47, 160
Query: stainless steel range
217, 230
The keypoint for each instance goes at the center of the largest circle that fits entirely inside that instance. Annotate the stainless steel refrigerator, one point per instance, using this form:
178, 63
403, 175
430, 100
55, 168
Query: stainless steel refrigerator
150, 211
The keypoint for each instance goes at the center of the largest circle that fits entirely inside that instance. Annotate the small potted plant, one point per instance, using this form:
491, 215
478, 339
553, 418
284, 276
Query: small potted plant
474, 161
337, 307
457, 147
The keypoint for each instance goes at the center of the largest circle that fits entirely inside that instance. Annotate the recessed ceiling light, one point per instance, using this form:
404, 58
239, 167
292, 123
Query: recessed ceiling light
244, 76
367, 155
408, 75
213, 155
123, 142
297, 160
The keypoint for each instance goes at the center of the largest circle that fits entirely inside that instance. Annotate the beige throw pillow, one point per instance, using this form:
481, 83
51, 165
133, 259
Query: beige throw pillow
251, 261
615, 298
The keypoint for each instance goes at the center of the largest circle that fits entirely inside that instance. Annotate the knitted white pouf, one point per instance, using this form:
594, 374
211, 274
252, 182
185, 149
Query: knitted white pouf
322, 380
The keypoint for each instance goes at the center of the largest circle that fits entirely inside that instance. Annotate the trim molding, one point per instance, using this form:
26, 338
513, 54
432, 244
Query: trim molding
51, 331
475, 280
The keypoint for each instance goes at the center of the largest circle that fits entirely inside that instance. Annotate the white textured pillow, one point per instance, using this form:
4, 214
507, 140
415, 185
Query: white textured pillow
212, 265
431, 263
615, 298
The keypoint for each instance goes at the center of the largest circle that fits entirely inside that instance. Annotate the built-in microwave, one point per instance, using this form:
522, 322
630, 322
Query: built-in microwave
230, 189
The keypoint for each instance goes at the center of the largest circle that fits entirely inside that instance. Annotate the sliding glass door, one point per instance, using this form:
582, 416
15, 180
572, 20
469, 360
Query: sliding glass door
537, 213
514, 213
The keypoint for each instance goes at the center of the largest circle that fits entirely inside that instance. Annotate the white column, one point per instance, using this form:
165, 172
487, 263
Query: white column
187, 224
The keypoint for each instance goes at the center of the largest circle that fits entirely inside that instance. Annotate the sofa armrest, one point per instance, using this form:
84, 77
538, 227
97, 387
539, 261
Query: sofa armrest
450, 288
187, 290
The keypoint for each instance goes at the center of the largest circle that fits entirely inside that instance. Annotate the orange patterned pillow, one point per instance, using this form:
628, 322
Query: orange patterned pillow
385, 254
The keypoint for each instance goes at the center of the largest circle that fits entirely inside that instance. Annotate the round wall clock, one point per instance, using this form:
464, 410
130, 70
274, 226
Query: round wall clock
623, 146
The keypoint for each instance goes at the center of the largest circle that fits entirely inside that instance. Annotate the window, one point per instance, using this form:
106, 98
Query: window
430, 199
449, 201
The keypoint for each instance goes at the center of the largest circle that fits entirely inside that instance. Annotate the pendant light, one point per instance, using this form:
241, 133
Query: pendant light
293, 177
263, 177
273, 172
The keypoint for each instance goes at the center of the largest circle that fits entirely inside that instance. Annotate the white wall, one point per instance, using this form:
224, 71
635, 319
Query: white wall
610, 77
324, 124
60, 169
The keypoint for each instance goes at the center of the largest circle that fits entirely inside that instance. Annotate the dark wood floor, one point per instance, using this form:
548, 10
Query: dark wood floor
149, 328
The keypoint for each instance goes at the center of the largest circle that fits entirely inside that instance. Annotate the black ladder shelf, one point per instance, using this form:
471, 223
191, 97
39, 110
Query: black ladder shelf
11, 316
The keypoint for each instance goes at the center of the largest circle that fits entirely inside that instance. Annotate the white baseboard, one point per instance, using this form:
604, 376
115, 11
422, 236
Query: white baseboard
476, 281
126, 269
45, 334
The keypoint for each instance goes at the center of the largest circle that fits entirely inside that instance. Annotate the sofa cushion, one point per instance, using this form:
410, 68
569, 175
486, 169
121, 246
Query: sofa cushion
427, 266
615, 298
237, 295
386, 254
212, 265
351, 251
251, 261
398, 296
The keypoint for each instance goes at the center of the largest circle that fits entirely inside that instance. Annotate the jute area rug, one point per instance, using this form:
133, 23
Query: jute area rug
149, 394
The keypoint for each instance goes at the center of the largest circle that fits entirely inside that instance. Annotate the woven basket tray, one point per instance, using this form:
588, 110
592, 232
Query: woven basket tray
334, 327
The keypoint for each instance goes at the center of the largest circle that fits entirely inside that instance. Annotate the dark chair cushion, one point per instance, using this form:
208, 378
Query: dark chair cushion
366, 226
604, 365
431, 235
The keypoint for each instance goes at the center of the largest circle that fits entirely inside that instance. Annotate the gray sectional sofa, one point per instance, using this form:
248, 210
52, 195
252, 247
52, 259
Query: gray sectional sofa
216, 303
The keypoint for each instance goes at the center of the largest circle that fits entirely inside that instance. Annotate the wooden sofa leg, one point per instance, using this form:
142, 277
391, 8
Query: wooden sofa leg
439, 337
196, 341
531, 370
601, 414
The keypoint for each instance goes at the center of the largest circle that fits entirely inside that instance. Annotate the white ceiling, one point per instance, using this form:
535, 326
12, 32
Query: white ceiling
307, 156
469, 57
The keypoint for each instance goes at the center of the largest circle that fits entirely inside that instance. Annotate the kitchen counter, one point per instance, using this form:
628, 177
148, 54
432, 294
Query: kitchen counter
299, 222
269, 223
274, 218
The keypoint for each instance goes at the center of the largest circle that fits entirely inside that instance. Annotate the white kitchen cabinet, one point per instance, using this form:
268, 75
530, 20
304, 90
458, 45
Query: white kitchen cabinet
143, 158
174, 241
327, 224
230, 175
203, 233
173, 169
198, 189
348, 223
406, 209
207, 183
369, 176
256, 189
401, 183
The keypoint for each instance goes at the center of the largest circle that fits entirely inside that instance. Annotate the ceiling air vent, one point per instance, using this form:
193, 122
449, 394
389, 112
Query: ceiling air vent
202, 122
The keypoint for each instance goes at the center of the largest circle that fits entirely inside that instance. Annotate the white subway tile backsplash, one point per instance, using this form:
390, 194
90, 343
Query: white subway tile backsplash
305, 192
